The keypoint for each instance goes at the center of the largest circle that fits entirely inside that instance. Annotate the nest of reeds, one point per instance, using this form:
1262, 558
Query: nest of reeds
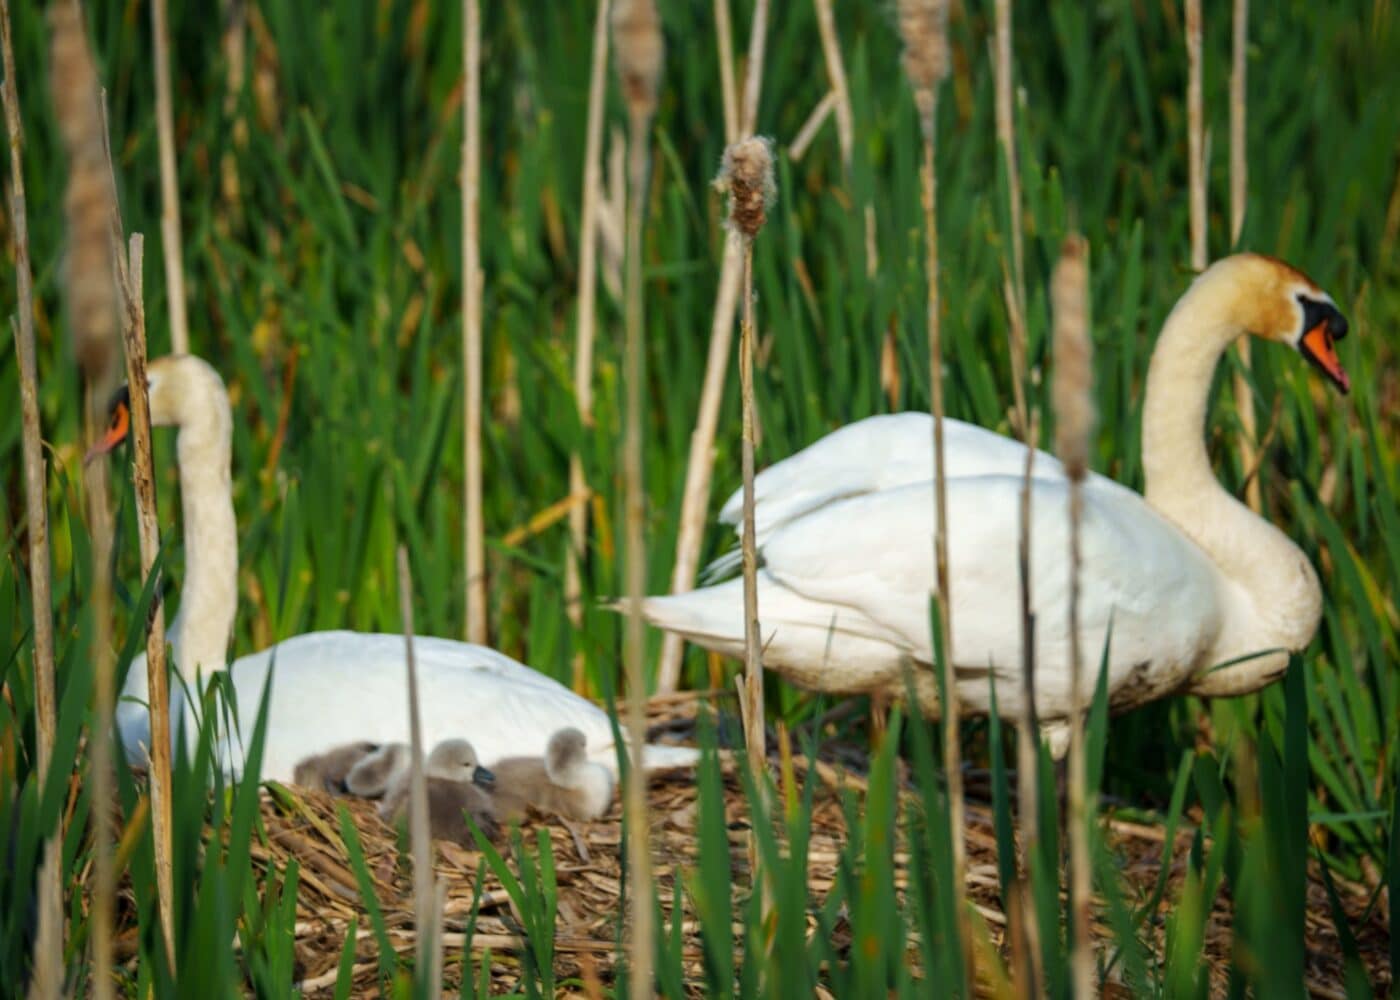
303, 826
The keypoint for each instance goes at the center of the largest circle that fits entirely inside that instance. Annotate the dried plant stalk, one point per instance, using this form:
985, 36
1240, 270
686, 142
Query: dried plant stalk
583, 352
1014, 292
640, 53
48, 945
923, 28
724, 42
169, 190
91, 295
1195, 125
428, 952
747, 174
133, 328
473, 535
1074, 420
1239, 190
845, 118
700, 464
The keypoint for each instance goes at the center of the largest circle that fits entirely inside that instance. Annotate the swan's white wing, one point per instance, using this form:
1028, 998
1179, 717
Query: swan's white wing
870, 455
874, 554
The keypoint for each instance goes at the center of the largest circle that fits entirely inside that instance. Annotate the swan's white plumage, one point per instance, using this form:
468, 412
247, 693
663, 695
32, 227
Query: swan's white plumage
332, 688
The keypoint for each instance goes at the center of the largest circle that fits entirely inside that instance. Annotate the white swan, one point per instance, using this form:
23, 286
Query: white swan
330, 688
1189, 579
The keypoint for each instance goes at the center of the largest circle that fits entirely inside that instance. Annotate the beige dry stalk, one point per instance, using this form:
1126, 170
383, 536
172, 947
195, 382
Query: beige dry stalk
724, 42
1239, 191
923, 28
640, 51
700, 465
92, 315
474, 544
1074, 421
845, 119
427, 955
587, 321
48, 945
1195, 124
747, 174
169, 189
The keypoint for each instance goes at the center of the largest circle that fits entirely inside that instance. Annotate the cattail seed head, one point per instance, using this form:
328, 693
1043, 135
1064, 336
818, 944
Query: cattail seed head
640, 53
92, 305
923, 27
747, 174
1072, 390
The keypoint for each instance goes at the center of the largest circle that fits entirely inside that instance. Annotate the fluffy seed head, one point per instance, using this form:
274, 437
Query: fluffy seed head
747, 174
923, 27
1074, 356
640, 53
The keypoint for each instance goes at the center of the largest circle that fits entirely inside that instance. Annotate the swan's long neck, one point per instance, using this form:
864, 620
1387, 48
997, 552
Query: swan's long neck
204, 624
1271, 595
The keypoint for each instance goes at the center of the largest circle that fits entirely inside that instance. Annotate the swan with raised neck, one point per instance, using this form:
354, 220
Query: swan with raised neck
1271, 598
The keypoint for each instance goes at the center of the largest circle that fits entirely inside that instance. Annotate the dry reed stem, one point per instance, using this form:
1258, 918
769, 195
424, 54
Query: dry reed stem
473, 537
1028, 740
747, 173
169, 190
724, 41
798, 147
1239, 190
923, 27
845, 119
48, 943
1074, 418
91, 295
133, 328
695, 497
427, 953
586, 324
640, 52
1195, 136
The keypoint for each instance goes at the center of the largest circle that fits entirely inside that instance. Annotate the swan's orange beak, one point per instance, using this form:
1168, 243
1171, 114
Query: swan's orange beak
1318, 347
118, 426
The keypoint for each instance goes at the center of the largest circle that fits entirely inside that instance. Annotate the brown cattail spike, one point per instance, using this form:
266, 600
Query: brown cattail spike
1074, 357
640, 51
92, 301
747, 174
923, 27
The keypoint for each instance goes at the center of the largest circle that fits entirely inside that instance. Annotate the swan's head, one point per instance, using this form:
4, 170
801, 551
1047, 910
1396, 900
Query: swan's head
565, 752
455, 760
183, 391
1274, 301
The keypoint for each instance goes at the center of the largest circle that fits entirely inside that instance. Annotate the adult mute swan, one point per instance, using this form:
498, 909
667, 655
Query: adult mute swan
329, 689
1202, 595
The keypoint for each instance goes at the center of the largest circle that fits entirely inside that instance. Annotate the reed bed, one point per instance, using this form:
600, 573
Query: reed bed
325, 282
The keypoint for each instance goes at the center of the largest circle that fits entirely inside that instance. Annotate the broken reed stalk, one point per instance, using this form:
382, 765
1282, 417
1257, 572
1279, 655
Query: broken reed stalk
640, 51
426, 955
169, 189
92, 315
586, 323
48, 946
1074, 420
724, 41
1014, 292
747, 174
923, 28
700, 465
845, 118
129, 267
473, 535
1195, 137
1239, 189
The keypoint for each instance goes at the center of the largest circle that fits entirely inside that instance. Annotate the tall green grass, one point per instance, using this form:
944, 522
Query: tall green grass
341, 249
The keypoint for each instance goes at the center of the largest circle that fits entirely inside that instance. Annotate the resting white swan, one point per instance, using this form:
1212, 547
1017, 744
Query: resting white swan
1188, 577
330, 688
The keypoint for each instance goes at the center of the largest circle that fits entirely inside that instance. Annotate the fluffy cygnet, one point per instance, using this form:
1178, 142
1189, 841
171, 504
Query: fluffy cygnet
564, 782
328, 771
455, 786
375, 772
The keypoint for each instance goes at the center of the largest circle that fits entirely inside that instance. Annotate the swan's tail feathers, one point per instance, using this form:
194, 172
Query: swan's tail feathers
713, 617
661, 757
722, 567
